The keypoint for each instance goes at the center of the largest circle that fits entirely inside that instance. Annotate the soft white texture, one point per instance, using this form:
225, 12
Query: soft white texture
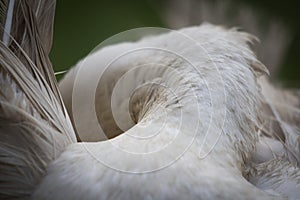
206, 166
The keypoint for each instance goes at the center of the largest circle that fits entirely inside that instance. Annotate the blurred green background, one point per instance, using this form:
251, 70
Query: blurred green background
81, 25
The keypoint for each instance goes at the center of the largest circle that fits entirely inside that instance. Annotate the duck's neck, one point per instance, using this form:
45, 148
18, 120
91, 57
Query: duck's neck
213, 113
185, 119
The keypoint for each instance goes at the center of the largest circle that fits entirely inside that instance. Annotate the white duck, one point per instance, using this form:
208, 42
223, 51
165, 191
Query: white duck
196, 113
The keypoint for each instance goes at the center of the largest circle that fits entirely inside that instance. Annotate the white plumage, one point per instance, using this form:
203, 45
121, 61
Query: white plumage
195, 124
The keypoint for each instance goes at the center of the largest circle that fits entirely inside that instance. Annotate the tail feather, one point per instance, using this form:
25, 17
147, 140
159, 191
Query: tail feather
34, 125
30, 34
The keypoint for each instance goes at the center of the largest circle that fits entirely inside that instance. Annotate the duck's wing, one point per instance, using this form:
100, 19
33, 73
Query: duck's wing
34, 125
281, 117
276, 176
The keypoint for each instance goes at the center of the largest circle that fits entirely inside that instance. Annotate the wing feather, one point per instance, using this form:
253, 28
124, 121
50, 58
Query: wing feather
34, 125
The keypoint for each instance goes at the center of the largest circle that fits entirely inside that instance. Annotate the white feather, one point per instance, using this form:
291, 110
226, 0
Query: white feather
193, 165
8, 22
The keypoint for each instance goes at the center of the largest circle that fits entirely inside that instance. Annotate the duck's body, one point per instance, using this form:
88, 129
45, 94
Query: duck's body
187, 130
79, 175
191, 145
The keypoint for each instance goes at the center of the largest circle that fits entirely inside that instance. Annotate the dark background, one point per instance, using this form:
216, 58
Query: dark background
81, 25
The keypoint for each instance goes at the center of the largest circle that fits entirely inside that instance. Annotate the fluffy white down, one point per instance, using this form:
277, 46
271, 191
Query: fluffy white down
223, 75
